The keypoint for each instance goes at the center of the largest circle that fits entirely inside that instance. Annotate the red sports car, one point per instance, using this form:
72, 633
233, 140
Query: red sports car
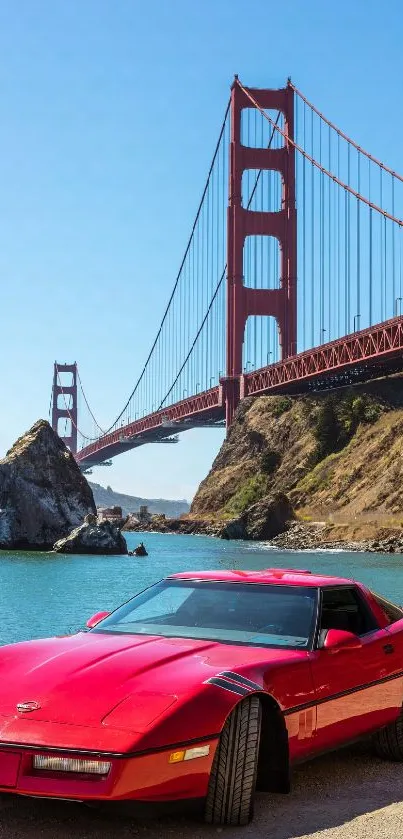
203, 687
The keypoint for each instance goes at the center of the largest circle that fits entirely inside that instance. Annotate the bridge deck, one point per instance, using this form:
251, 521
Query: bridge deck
377, 350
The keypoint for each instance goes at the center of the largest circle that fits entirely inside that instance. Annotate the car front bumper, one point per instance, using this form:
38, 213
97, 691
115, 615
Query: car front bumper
148, 777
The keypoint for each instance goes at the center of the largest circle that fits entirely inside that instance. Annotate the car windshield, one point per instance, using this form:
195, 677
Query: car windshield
237, 613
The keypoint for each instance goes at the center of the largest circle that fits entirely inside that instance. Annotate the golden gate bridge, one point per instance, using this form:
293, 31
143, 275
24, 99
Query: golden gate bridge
291, 280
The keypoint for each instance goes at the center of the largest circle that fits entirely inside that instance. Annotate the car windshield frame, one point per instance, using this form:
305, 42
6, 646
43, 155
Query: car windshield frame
109, 625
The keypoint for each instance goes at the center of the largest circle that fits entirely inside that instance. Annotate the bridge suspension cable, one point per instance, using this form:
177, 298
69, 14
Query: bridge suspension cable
319, 165
194, 284
220, 281
343, 135
102, 430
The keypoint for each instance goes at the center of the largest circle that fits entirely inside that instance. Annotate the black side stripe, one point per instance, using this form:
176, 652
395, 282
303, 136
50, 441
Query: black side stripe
242, 680
342, 693
227, 685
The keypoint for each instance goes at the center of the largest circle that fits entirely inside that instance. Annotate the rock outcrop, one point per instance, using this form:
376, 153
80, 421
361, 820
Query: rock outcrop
263, 520
43, 494
348, 537
132, 522
93, 537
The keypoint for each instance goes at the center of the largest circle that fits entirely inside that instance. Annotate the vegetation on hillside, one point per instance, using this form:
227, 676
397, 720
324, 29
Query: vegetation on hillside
337, 420
252, 490
327, 452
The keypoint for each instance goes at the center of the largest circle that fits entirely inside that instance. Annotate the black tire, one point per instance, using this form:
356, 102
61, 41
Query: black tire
231, 791
388, 741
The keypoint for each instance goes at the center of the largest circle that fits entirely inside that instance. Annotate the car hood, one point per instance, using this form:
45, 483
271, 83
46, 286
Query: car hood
120, 680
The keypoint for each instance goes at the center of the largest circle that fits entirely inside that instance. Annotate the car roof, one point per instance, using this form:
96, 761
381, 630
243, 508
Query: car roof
272, 576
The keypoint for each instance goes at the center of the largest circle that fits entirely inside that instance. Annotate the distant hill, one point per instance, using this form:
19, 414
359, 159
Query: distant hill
106, 497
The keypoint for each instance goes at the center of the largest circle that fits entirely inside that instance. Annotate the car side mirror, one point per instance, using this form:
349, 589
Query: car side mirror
97, 618
338, 639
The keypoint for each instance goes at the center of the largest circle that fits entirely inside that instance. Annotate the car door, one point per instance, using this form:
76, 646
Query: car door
393, 618
356, 689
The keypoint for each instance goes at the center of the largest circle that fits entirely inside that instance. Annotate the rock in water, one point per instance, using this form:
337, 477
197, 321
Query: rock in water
103, 537
43, 494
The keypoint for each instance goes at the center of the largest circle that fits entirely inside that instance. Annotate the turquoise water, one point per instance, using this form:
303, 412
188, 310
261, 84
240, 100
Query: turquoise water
44, 594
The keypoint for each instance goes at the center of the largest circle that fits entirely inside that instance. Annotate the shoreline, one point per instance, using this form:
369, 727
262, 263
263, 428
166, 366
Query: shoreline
299, 536
318, 536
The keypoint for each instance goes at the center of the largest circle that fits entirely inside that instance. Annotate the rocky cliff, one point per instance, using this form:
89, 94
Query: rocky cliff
43, 494
337, 456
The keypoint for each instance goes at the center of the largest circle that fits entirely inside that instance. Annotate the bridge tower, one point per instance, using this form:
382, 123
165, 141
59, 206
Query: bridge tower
244, 302
62, 410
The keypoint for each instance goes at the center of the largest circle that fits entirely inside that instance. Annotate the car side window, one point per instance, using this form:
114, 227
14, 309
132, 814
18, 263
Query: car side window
392, 613
344, 608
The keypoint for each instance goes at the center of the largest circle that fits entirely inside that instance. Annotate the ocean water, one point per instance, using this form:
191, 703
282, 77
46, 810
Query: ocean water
49, 594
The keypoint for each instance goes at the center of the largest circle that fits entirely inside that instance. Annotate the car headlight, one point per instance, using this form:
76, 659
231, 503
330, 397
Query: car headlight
72, 764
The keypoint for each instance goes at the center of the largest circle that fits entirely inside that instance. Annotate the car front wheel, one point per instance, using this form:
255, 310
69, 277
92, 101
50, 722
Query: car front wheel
389, 740
232, 783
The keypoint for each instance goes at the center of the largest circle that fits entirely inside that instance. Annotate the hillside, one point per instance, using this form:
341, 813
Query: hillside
337, 456
106, 497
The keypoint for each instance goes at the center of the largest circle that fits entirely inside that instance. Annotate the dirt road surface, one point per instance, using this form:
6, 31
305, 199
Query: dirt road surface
346, 795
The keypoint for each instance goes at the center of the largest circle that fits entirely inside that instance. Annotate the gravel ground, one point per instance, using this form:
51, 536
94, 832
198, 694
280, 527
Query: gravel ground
346, 795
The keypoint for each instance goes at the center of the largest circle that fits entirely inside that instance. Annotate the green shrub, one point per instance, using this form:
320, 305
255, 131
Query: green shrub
327, 429
337, 421
252, 490
281, 405
371, 412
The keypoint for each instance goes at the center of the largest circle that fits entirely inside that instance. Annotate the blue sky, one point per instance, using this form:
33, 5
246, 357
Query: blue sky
109, 112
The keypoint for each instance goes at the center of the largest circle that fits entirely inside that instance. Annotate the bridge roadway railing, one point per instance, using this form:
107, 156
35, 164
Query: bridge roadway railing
367, 348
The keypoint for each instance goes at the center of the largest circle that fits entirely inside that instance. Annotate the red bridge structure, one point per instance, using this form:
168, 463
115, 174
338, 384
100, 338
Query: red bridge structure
291, 281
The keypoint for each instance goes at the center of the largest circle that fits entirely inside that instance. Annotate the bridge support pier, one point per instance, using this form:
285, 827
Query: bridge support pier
242, 301
65, 411
231, 394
